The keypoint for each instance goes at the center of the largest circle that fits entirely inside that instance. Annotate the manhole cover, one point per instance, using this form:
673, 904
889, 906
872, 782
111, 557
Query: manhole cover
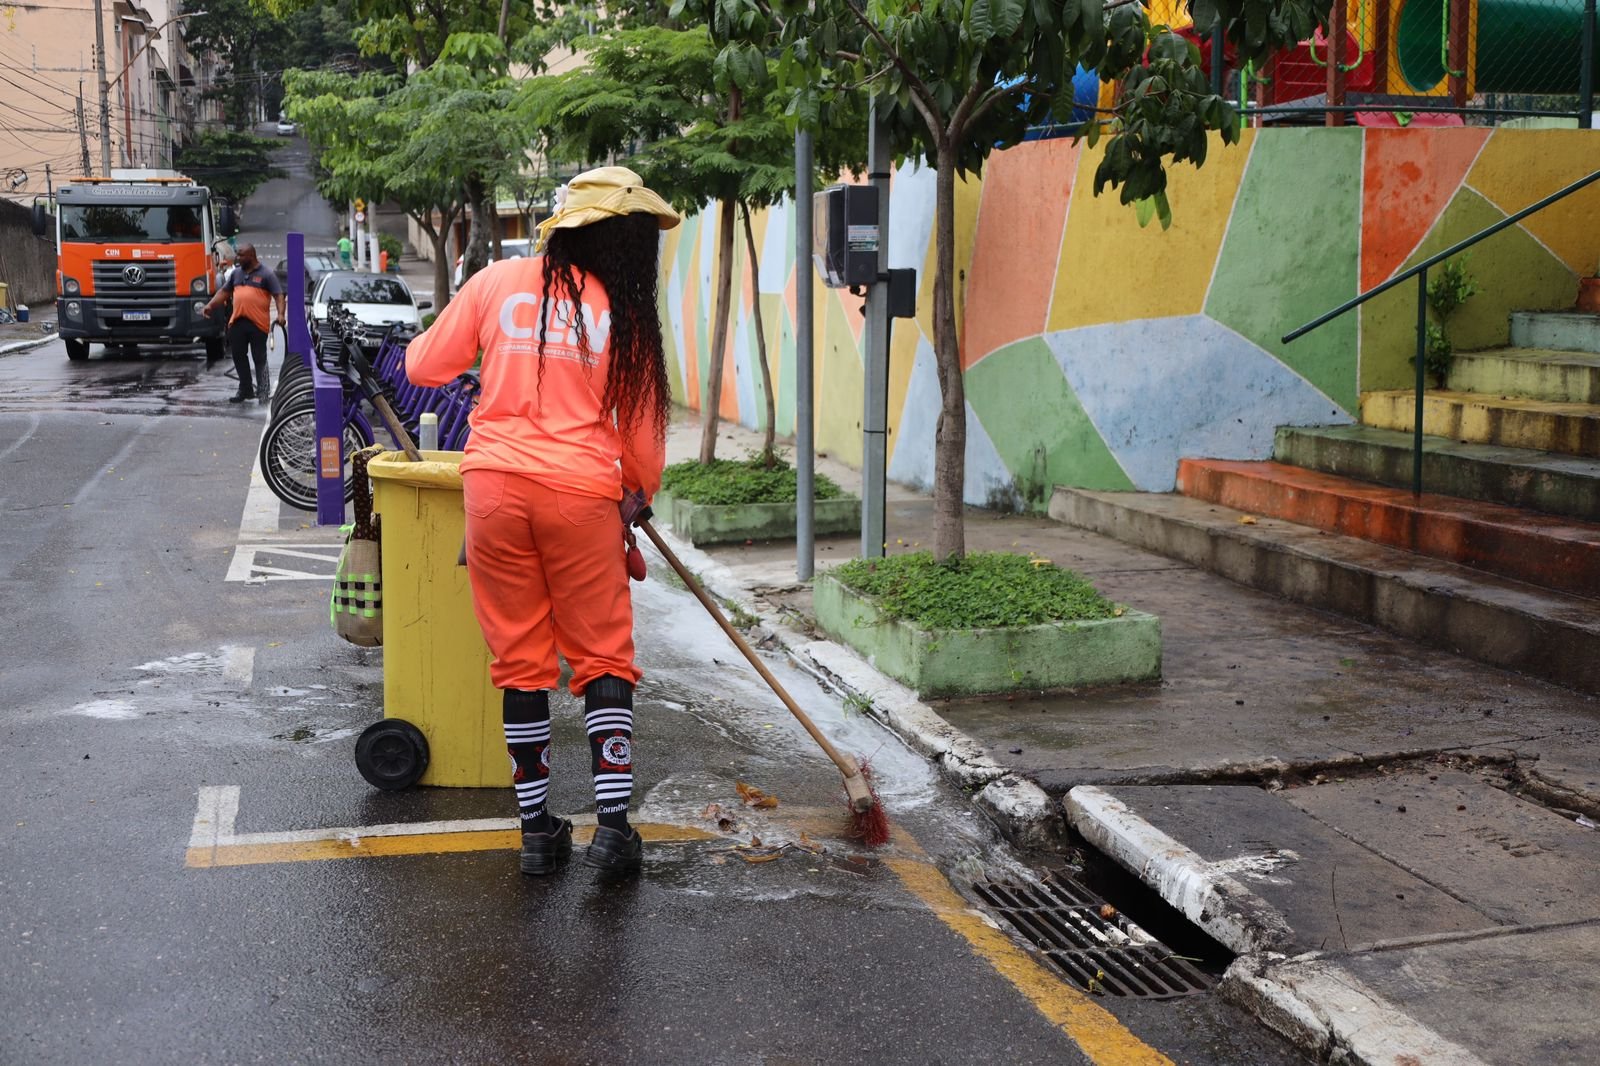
1111, 955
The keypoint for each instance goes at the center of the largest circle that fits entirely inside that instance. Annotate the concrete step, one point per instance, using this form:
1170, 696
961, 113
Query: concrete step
1554, 553
1568, 428
1531, 373
1492, 619
1516, 477
1571, 331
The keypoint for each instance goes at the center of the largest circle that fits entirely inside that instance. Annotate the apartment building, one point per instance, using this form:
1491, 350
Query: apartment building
50, 116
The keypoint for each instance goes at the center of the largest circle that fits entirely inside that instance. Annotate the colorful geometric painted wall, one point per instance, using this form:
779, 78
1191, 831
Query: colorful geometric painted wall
1099, 353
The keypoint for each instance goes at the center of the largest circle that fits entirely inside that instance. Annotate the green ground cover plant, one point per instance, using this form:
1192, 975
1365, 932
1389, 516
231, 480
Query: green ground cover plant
980, 591
736, 481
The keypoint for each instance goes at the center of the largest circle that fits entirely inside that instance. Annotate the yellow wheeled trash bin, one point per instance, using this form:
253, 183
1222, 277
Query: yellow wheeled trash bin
442, 718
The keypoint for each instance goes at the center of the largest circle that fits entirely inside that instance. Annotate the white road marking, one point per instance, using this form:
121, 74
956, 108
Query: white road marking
238, 664
116, 460
33, 427
246, 567
213, 821
260, 505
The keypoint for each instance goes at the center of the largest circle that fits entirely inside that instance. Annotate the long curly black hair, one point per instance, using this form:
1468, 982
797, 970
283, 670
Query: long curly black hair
622, 254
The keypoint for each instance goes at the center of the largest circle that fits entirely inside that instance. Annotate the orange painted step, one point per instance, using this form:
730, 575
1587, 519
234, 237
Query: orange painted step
1546, 550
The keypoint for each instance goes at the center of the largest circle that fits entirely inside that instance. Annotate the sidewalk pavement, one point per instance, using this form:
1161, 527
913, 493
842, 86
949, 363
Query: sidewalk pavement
1399, 844
21, 336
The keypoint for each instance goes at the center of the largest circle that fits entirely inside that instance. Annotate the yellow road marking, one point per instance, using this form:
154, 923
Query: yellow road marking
359, 847
1096, 1030
1104, 1039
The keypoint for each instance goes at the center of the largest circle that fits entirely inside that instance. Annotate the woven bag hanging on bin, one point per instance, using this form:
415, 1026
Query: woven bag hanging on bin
356, 609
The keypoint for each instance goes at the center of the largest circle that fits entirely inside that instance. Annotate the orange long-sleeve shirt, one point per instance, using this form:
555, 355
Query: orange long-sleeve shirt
554, 431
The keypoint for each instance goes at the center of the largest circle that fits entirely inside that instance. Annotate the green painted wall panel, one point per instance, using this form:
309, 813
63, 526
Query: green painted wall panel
1301, 190
1514, 273
1037, 425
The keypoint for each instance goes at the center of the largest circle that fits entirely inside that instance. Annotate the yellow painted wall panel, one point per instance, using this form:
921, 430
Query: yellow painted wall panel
1518, 167
1152, 273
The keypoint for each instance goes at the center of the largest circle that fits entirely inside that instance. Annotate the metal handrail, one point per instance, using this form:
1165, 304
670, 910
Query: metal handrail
1420, 272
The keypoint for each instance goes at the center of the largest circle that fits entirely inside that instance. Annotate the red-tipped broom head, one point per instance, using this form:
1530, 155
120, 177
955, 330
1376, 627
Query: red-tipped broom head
868, 821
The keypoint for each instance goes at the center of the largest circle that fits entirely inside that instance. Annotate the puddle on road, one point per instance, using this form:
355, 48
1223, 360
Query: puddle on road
114, 709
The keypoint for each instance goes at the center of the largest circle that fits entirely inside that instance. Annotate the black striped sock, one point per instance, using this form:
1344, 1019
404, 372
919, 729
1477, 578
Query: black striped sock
527, 723
608, 716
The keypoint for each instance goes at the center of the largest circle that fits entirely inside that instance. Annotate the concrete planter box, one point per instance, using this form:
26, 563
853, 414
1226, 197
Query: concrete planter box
964, 662
700, 523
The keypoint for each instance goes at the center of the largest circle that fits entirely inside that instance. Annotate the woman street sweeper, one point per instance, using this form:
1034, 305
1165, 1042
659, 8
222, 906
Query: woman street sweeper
567, 445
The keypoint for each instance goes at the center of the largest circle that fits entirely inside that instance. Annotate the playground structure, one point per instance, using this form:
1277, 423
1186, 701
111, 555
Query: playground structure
1390, 56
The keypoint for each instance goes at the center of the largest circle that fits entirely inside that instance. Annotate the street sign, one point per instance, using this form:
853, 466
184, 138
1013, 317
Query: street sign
361, 216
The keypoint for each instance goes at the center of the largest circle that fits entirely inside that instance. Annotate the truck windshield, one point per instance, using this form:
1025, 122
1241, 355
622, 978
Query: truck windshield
130, 222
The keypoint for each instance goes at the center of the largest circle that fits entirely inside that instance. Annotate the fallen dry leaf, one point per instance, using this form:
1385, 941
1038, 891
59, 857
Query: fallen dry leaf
1247, 520
755, 841
754, 797
765, 856
1107, 911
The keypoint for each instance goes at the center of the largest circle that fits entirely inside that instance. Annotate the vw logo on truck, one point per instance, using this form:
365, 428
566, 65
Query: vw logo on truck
133, 275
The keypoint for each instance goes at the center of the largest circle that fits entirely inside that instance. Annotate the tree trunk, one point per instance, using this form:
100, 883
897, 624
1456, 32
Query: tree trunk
719, 329
441, 268
767, 452
476, 256
950, 442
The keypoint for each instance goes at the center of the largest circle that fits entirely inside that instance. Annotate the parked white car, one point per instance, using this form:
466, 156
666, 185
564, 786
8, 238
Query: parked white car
377, 300
515, 248
286, 128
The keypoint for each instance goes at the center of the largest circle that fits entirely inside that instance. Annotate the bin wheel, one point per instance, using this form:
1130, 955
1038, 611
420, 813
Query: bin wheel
392, 754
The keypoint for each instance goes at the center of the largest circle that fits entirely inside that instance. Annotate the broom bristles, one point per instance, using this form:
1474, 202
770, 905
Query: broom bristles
871, 826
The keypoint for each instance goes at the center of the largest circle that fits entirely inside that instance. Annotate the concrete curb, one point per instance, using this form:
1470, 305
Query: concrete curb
1233, 915
1023, 811
1329, 1012
1309, 999
23, 346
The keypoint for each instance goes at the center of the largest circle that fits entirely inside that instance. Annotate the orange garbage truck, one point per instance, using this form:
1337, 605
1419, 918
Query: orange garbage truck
134, 262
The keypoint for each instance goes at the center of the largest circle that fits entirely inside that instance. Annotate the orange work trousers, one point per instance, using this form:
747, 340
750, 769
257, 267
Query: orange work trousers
548, 575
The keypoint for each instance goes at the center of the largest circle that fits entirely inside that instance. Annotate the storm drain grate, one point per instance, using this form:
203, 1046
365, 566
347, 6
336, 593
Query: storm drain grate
1111, 955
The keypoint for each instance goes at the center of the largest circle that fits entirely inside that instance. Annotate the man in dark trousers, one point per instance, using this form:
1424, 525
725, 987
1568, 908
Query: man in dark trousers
253, 289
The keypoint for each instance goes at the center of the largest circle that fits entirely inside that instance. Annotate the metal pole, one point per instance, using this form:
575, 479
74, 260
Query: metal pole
105, 89
805, 457
1217, 54
875, 398
1586, 75
1422, 359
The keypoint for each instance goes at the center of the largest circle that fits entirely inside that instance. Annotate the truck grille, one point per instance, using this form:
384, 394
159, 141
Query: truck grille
112, 290
156, 293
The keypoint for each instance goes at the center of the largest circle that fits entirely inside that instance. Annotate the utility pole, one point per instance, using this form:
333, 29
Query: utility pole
105, 89
83, 133
805, 444
875, 350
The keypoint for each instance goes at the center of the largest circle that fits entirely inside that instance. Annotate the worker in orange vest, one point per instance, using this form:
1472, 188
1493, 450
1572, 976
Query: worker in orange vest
567, 445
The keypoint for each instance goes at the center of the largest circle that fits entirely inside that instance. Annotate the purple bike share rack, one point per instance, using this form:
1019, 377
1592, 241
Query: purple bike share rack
328, 395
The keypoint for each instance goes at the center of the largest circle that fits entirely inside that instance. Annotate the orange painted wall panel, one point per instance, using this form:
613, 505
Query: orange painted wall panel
1408, 178
1012, 277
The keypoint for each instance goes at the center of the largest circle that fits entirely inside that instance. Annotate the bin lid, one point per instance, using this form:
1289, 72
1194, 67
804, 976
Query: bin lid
438, 470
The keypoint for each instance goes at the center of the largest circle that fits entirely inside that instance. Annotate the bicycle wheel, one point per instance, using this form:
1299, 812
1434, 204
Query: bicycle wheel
289, 456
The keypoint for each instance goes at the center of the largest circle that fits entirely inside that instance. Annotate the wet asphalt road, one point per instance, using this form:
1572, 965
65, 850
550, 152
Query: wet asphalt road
135, 676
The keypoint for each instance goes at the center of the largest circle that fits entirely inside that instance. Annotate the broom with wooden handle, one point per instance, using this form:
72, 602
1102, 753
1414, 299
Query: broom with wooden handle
866, 812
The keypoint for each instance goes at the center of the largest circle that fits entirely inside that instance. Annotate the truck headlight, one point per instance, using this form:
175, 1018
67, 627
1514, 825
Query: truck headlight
199, 309
70, 286
198, 285
74, 309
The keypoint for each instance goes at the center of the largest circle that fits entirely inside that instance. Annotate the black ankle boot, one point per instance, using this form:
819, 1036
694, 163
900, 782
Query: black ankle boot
614, 852
542, 853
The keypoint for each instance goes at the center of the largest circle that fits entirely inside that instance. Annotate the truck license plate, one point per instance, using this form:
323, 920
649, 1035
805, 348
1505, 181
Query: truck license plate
136, 316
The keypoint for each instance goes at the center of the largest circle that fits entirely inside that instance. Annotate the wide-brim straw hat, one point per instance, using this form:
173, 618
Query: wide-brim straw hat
603, 193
